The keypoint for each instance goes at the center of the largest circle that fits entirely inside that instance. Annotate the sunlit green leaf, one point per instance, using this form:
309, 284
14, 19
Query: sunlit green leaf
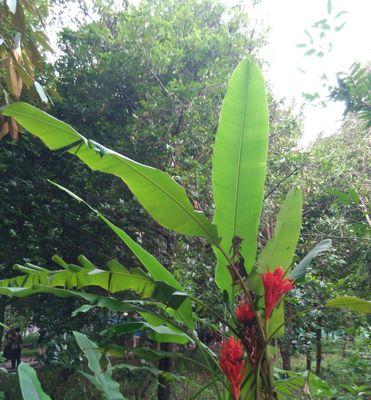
239, 166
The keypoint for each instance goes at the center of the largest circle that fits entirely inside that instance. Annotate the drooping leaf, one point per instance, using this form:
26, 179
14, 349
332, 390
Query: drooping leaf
30, 385
103, 377
239, 166
164, 199
350, 303
153, 266
301, 269
112, 282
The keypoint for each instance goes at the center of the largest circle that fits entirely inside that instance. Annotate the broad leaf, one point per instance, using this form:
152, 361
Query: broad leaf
350, 303
279, 251
239, 166
103, 377
301, 269
112, 282
163, 330
164, 199
156, 327
30, 385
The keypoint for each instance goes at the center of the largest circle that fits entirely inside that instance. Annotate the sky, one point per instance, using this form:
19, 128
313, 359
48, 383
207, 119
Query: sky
287, 20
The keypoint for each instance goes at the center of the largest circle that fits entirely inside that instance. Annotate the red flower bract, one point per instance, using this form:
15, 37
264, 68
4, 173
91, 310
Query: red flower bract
275, 287
244, 313
232, 363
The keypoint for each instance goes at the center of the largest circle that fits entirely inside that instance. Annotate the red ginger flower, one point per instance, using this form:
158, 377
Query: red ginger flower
275, 287
244, 313
232, 363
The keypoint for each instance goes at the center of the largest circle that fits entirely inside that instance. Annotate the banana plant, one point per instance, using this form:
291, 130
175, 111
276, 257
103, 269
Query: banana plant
252, 285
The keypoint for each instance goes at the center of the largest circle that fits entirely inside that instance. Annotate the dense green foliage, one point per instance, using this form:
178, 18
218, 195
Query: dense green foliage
157, 100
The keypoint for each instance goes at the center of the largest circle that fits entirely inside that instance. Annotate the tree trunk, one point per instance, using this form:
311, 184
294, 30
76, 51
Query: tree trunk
347, 339
285, 343
308, 353
318, 351
164, 388
309, 359
284, 346
2, 319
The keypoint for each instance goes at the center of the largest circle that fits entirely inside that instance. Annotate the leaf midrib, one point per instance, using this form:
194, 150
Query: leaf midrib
238, 173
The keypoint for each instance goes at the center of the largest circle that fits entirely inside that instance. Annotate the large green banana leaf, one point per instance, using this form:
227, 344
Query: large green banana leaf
280, 250
239, 166
164, 199
112, 282
157, 328
152, 265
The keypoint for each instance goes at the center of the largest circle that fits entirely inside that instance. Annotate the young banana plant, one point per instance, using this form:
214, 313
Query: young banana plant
252, 285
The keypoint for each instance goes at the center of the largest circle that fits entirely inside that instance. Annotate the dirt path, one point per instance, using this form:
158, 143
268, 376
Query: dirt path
29, 360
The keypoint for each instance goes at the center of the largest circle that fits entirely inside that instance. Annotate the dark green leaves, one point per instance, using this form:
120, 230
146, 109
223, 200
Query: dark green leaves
160, 195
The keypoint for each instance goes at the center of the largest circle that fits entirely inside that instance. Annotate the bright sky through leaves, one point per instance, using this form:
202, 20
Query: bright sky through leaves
287, 20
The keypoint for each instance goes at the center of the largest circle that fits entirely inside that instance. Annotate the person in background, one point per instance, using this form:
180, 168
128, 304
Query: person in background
9, 336
15, 348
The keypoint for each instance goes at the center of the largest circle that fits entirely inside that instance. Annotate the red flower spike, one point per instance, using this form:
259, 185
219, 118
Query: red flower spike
244, 313
232, 363
275, 287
